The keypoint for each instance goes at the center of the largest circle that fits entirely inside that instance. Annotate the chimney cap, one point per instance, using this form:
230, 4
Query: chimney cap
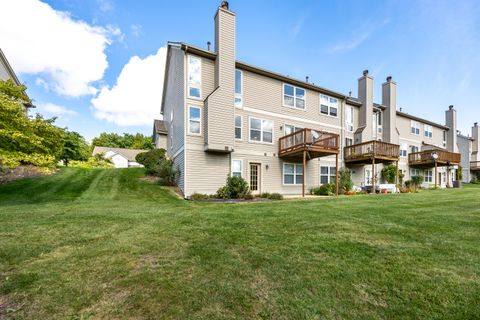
365, 72
224, 5
208, 45
475, 124
389, 78
450, 107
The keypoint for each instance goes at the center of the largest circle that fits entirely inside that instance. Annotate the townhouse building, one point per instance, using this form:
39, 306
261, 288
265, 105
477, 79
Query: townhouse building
225, 117
468, 147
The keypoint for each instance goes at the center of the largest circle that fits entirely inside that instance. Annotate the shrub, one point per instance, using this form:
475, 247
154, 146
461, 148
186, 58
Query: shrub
199, 196
167, 173
275, 196
222, 193
389, 173
459, 173
151, 160
92, 162
417, 181
265, 195
237, 187
345, 182
327, 189
12, 159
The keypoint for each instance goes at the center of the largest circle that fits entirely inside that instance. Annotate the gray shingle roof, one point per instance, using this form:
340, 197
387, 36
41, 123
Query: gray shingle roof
129, 154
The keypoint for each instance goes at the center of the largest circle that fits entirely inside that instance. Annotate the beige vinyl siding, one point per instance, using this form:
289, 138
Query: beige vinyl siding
403, 125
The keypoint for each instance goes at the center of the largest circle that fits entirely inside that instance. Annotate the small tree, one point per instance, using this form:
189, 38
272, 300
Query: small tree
74, 148
417, 181
345, 182
459, 174
389, 173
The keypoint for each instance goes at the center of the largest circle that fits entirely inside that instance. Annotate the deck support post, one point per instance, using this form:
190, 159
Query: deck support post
436, 175
336, 174
397, 182
304, 172
373, 176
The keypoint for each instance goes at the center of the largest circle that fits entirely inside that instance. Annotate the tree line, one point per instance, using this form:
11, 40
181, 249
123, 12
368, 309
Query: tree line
38, 141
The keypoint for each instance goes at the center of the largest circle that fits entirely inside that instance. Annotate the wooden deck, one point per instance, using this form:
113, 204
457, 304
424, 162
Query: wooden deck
426, 158
475, 165
367, 152
314, 142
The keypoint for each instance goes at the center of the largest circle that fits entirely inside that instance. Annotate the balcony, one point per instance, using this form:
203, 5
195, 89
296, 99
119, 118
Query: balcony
313, 143
430, 158
371, 151
474, 165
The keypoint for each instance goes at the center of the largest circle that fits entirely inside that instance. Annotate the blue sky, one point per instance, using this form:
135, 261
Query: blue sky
430, 48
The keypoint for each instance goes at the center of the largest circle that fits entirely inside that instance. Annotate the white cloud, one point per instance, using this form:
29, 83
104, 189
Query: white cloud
136, 30
136, 97
68, 54
54, 110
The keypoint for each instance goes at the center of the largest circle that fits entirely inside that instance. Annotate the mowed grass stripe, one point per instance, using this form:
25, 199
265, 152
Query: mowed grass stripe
107, 244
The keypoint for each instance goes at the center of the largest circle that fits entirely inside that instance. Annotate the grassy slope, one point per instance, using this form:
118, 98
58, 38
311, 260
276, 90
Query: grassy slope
103, 244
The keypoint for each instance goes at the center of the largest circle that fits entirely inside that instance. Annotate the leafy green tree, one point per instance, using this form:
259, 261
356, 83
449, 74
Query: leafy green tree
74, 148
389, 173
22, 140
129, 141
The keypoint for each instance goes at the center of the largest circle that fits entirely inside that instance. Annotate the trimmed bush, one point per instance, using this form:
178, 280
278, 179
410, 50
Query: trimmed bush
199, 196
235, 188
327, 189
389, 173
345, 182
222, 193
275, 196
151, 160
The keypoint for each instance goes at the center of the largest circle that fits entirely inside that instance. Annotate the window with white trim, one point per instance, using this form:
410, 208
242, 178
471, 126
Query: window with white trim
238, 88
349, 118
292, 173
237, 168
327, 174
194, 120
428, 176
328, 105
414, 127
287, 129
238, 127
194, 77
403, 150
414, 172
428, 131
261, 130
293, 97
413, 149
348, 142
444, 138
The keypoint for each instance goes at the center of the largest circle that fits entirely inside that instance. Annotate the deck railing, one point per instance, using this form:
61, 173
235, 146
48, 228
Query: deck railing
308, 138
427, 157
371, 149
474, 165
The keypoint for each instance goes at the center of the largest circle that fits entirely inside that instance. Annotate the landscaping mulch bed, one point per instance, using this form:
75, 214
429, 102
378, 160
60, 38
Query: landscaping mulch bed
22, 172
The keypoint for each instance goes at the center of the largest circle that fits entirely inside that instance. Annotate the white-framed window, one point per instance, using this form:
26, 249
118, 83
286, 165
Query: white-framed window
348, 142
293, 97
403, 150
414, 127
413, 149
444, 138
238, 88
237, 168
349, 118
194, 77
238, 127
327, 174
287, 129
329, 105
428, 131
428, 176
194, 120
414, 172
261, 130
292, 173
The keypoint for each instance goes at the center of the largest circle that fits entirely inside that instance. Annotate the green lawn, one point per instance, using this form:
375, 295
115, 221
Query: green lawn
88, 244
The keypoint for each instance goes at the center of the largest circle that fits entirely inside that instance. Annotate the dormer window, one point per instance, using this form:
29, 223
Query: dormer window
194, 77
328, 105
293, 97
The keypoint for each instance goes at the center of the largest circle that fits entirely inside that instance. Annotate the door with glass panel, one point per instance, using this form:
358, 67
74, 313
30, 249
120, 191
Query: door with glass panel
255, 178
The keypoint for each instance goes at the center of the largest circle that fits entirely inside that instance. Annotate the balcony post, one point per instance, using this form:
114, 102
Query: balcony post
436, 175
304, 172
336, 174
373, 176
396, 176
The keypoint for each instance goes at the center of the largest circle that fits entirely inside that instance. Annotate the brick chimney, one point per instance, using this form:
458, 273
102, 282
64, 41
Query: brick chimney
219, 108
365, 95
451, 122
389, 100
